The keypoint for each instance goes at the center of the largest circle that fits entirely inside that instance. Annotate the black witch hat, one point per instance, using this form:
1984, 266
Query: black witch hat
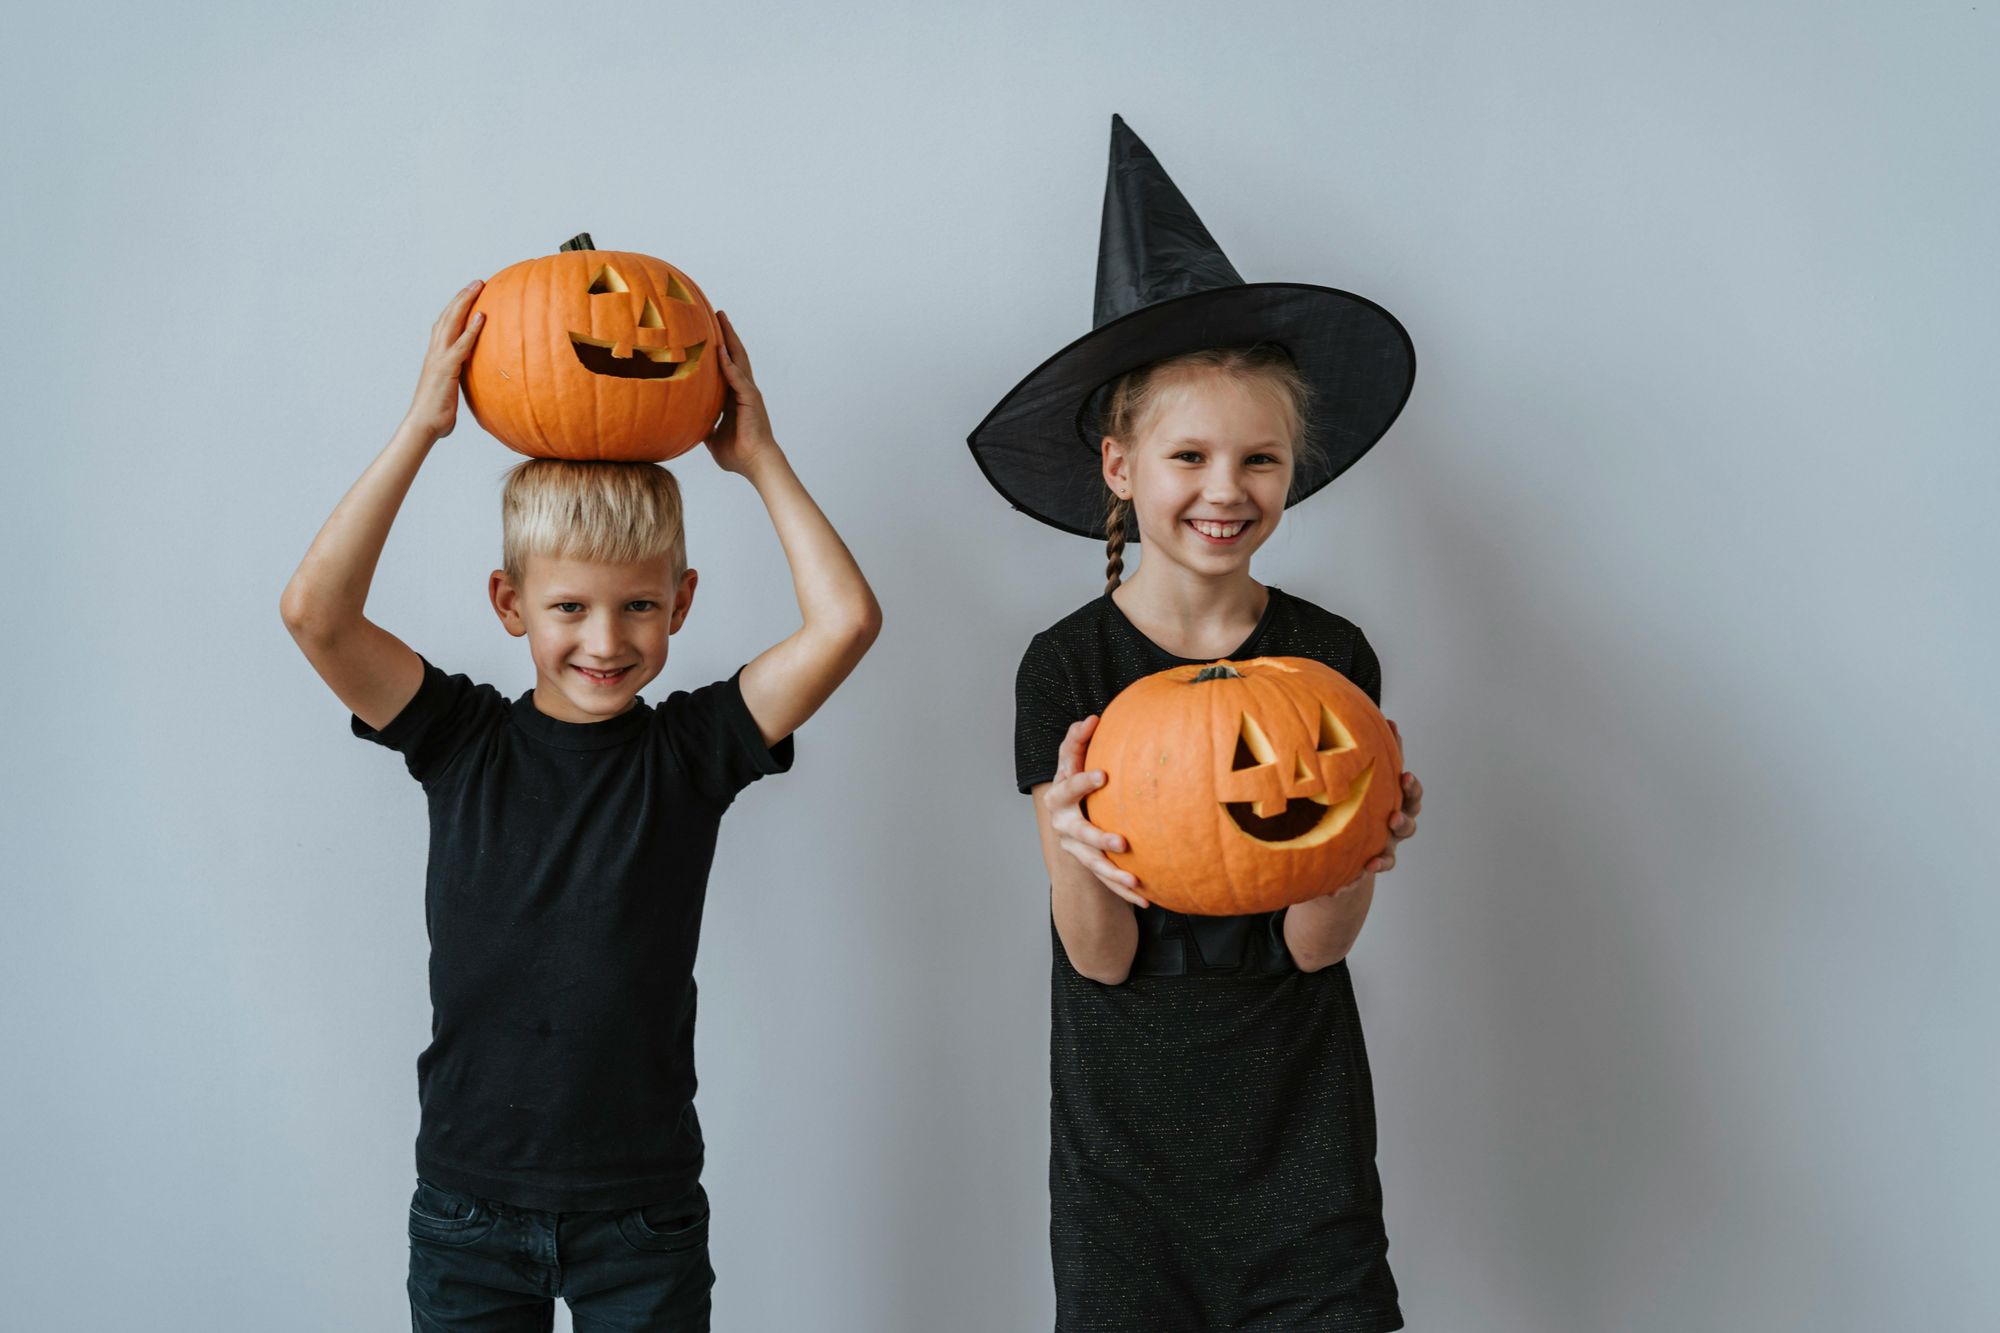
1163, 288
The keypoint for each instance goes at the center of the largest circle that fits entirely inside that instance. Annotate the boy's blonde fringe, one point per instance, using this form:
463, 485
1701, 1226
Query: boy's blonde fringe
610, 513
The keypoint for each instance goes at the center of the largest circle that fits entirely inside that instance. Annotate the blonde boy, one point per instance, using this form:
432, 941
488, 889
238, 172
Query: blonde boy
572, 829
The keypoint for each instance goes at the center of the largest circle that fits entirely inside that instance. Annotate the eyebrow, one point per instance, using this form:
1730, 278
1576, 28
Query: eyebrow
1261, 444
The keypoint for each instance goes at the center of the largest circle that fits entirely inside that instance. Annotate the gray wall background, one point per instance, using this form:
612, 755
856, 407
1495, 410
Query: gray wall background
1679, 564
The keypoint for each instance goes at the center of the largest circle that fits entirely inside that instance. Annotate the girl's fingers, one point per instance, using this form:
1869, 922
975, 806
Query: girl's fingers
1079, 829
1127, 895
1124, 885
1078, 786
1093, 861
1076, 738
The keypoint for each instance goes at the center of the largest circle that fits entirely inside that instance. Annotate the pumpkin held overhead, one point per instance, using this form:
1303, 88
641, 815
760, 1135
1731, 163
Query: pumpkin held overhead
1244, 786
595, 354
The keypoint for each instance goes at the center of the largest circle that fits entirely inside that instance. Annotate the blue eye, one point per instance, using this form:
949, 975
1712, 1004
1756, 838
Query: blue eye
642, 604
569, 608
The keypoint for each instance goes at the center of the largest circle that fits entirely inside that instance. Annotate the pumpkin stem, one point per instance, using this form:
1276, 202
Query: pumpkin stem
1220, 671
580, 241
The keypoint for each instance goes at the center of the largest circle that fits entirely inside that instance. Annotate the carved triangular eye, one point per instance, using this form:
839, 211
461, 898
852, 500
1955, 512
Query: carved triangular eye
607, 280
1252, 747
1332, 735
649, 318
677, 292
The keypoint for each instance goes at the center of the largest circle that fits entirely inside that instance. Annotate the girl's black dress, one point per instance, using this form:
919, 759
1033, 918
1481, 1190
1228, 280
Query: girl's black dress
1211, 1119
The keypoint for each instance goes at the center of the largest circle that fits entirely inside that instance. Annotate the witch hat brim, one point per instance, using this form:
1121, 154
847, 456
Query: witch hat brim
1164, 288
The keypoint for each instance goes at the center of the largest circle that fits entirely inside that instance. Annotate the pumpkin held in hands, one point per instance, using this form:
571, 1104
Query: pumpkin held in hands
1244, 786
595, 354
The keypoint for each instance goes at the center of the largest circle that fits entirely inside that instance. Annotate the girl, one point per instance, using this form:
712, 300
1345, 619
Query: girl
1212, 1130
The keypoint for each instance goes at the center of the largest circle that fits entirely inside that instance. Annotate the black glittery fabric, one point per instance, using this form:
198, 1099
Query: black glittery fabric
1211, 1119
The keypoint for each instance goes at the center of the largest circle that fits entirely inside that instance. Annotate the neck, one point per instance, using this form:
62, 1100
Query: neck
1178, 597
550, 702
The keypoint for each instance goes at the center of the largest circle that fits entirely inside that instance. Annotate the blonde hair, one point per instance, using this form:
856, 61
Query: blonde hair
613, 513
1135, 396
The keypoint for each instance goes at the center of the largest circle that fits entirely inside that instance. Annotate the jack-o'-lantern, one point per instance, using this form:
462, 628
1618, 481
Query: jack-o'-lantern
595, 354
1244, 786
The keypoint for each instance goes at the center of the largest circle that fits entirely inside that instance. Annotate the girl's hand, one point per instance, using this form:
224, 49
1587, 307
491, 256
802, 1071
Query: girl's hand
434, 410
743, 431
1063, 799
1403, 823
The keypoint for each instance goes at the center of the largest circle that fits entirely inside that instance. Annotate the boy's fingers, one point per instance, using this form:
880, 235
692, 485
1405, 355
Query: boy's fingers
458, 303
732, 343
471, 335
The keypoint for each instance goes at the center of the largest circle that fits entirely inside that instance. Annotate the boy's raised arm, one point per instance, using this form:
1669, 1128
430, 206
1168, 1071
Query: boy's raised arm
787, 682
374, 672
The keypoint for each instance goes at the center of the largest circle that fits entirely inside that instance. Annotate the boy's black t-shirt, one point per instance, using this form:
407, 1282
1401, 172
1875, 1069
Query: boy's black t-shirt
568, 864
1211, 1118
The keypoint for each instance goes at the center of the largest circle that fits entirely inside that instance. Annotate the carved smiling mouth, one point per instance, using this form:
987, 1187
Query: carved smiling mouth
644, 363
1305, 820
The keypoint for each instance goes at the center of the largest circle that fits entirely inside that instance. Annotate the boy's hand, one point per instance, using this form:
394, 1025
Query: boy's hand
1063, 799
743, 431
434, 410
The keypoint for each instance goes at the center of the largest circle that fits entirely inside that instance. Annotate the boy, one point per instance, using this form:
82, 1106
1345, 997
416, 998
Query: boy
571, 835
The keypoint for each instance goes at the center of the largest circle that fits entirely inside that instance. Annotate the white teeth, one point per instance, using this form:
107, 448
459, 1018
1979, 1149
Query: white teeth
1219, 530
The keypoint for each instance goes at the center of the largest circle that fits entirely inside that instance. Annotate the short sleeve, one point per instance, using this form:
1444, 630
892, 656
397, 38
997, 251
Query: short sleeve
1045, 706
444, 715
1366, 669
717, 742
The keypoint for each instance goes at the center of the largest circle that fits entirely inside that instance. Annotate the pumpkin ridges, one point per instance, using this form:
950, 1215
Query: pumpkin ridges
528, 405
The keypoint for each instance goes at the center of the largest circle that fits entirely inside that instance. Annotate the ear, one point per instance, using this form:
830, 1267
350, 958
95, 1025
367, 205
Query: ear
683, 600
506, 599
1116, 466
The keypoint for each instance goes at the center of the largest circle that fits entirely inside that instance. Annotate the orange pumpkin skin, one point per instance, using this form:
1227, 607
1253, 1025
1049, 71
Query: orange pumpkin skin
1248, 791
628, 371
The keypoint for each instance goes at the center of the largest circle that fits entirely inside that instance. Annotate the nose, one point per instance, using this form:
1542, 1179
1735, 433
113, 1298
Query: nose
601, 638
1222, 483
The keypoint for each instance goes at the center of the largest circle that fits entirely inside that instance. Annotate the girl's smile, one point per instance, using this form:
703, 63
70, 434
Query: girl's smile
1218, 532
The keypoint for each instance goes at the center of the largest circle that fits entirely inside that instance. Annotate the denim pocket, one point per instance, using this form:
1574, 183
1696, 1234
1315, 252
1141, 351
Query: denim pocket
447, 1217
679, 1224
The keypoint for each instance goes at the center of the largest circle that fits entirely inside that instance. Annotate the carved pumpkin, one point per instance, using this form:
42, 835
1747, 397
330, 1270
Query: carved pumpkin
595, 354
1244, 786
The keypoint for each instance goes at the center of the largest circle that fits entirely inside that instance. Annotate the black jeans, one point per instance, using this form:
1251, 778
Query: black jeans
478, 1264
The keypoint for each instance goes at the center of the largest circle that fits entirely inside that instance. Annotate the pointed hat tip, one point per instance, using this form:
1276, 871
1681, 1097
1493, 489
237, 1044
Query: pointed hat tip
1125, 141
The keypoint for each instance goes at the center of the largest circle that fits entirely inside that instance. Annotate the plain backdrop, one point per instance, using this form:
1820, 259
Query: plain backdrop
1679, 564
